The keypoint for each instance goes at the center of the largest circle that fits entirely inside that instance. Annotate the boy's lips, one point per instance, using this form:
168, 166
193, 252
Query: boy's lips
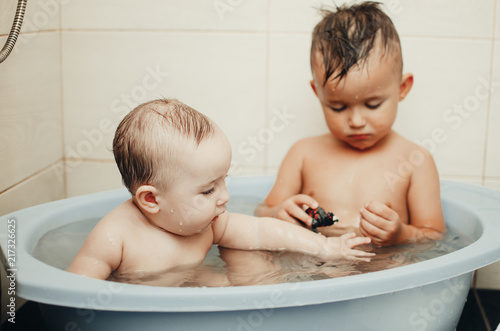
359, 136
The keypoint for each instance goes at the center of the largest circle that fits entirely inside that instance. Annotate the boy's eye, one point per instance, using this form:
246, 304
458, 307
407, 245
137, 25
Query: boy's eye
208, 192
338, 109
373, 106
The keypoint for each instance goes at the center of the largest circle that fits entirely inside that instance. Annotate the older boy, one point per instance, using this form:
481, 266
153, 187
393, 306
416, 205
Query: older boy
378, 183
174, 161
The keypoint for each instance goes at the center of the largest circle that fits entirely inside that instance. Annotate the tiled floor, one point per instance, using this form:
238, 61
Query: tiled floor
481, 313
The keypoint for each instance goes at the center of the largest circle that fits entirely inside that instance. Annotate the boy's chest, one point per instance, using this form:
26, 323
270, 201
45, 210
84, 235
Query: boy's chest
343, 185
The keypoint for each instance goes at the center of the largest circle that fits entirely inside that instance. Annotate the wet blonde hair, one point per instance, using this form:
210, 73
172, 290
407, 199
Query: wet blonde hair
147, 140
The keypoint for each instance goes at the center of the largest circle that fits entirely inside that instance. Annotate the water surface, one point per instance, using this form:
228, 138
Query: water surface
228, 267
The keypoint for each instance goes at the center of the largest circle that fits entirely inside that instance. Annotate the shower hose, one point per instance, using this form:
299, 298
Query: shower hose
14, 31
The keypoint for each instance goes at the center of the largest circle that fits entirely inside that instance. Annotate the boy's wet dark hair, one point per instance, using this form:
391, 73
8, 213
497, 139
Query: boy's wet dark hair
346, 36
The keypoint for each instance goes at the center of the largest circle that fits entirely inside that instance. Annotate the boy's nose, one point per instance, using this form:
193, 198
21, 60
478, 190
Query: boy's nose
356, 119
224, 197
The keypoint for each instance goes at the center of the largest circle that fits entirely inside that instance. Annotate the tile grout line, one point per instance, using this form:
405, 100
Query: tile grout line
267, 85
489, 105
63, 140
35, 174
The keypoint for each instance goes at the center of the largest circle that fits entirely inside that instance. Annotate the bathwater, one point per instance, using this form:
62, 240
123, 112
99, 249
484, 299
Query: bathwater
228, 267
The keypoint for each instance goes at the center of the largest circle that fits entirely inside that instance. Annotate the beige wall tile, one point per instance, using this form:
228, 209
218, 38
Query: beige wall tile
489, 277
461, 18
493, 152
30, 109
40, 15
478, 181
446, 108
497, 20
45, 186
221, 75
161, 15
294, 110
493, 183
297, 15
90, 177
7, 12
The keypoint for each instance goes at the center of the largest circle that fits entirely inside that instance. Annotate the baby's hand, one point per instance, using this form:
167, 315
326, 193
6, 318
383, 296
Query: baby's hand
292, 209
343, 247
380, 223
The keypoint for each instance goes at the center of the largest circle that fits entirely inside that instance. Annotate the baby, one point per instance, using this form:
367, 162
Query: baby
378, 183
174, 161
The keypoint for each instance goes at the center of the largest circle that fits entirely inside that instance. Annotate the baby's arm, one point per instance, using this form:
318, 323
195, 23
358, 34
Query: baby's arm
285, 201
252, 233
426, 220
99, 255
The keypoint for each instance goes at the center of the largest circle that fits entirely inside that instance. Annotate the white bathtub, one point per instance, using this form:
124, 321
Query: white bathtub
428, 295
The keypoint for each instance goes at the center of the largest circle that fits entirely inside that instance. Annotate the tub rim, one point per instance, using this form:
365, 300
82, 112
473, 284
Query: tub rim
89, 293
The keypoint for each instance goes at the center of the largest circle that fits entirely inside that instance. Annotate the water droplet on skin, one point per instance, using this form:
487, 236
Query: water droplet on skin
111, 240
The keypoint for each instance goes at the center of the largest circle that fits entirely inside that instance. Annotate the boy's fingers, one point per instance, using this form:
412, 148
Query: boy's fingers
372, 224
372, 218
299, 214
382, 210
375, 234
304, 199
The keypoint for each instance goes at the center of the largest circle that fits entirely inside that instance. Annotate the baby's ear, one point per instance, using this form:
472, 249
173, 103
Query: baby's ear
146, 198
313, 87
405, 87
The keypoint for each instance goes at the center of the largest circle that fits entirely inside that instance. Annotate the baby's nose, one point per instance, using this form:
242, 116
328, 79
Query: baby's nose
224, 197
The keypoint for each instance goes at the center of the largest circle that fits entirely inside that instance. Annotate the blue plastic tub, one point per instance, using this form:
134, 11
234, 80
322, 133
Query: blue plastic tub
428, 295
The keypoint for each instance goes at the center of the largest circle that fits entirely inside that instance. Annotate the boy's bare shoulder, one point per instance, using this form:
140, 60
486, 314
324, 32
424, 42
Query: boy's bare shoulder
315, 142
409, 147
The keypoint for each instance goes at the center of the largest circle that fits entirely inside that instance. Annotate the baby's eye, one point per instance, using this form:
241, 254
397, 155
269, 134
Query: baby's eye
338, 109
373, 106
208, 192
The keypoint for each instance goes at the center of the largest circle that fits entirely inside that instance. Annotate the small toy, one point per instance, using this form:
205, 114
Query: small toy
321, 218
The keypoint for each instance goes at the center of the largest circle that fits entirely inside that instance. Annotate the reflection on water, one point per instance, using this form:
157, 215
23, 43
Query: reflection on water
228, 267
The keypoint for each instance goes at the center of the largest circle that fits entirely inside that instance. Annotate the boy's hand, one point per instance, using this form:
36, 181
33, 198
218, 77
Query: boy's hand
292, 210
343, 246
380, 223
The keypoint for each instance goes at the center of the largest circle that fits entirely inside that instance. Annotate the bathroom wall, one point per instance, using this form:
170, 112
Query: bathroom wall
31, 134
81, 65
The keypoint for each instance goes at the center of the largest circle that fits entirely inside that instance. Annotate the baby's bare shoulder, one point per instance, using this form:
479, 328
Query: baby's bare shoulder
119, 220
